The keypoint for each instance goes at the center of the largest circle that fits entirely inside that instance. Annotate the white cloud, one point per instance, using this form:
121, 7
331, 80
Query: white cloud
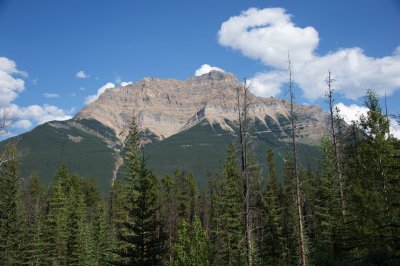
267, 84
118, 79
124, 83
91, 98
24, 117
204, 69
51, 95
269, 35
22, 124
39, 114
10, 85
82, 88
353, 112
81, 75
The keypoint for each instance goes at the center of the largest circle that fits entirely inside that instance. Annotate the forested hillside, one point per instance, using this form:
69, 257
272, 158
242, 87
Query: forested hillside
345, 212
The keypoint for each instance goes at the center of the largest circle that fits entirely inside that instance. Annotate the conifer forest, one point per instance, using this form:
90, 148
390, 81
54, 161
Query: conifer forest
345, 212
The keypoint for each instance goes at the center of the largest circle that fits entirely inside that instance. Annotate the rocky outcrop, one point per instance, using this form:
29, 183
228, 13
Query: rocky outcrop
168, 106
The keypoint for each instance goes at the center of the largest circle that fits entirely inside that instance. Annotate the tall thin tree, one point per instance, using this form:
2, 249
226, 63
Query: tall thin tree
334, 138
302, 244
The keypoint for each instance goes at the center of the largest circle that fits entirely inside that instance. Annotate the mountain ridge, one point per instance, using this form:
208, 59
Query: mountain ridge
191, 120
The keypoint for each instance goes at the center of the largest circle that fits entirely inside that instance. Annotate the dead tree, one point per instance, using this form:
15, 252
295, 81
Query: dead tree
300, 218
5, 122
243, 149
334, 138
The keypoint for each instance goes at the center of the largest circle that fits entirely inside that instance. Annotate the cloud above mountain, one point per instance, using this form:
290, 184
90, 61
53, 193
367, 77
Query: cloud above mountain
206, 68
11, 85
353, 112
91, 98
269, 35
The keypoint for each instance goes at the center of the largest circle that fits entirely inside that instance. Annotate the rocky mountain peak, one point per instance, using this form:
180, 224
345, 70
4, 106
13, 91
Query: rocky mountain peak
166, 107
215, 75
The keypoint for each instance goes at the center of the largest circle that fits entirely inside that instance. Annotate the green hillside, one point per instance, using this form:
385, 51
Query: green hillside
44, 148
200, 150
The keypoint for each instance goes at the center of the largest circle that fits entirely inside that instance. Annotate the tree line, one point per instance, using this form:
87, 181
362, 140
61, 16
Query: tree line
345, 212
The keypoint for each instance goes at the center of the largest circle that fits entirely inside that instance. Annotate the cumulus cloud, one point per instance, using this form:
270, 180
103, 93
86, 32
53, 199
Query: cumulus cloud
126, 83
204, 69
10, 84
22, 124
51, 95
39, 113
91, 98
353, 112
269, 35
81, 75
267, 84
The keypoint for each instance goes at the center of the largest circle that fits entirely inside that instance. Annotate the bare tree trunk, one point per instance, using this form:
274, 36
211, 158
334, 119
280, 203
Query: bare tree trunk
330, 100
302, 244
243, 139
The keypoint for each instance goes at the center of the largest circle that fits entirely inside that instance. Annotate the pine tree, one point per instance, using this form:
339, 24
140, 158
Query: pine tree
56, 230
80, 243
375, 184
227, 222
144, 233
191, 245
101, 236
11, 216
272, 242
326, 200
34, 198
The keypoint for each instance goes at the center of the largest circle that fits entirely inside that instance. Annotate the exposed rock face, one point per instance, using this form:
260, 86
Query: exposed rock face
167, 106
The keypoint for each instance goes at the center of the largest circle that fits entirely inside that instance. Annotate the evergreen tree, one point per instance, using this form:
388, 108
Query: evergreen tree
101, 236
56, 230
227, 222
375, 184
191, 245
11, 217
80, 243
34, 199
144, 234
272, 242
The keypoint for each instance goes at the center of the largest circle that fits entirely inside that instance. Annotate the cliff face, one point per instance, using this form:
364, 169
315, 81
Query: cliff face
166, 107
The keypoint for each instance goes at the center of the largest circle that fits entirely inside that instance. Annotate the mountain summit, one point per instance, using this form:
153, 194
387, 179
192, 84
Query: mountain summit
191, 120
166, 107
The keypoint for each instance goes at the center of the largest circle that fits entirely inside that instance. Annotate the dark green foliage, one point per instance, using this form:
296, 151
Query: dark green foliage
179, 202
226, 218
46, 147
11, 217
34, 205
56, 234
142, 229
191, 246
272, 245
374, 186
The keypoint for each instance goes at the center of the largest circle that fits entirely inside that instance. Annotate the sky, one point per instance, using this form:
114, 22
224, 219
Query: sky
58, 56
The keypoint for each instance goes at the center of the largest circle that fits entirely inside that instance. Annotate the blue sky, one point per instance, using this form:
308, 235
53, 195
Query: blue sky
45, 44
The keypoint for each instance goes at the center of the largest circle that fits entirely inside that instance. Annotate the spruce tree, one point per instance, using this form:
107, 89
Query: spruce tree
56, 229
34, 198
11, 216
143, 229
272, 242
191, 246
227, 221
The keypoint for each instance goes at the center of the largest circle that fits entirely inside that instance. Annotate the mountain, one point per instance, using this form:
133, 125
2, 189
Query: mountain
184, 123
